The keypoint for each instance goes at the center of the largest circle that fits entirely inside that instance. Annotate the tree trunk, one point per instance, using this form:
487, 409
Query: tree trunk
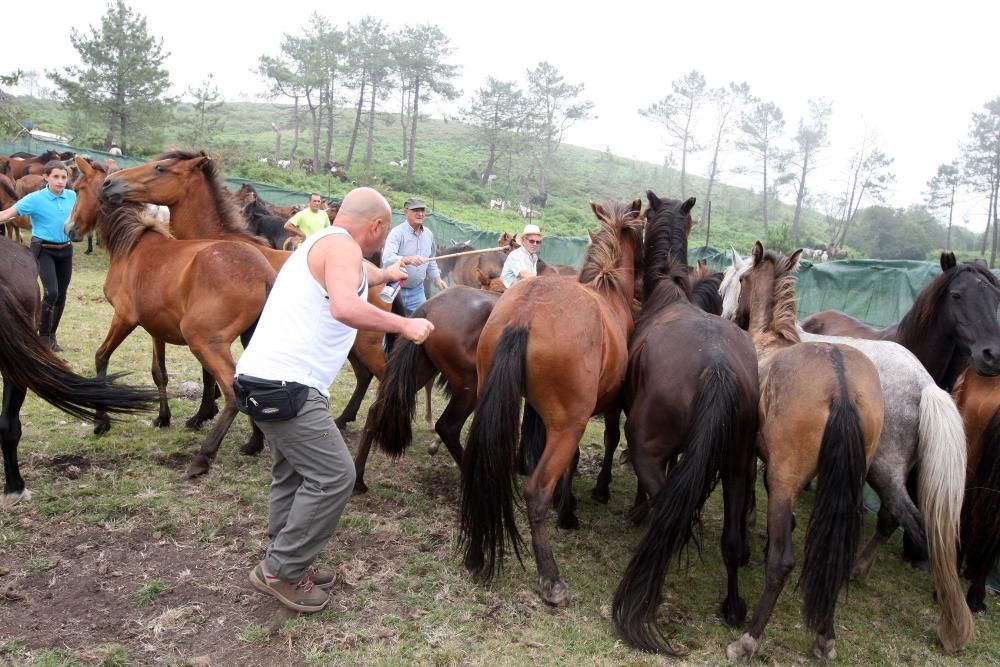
989, 220
370, 146
295, 137
329, 127
951, 212
764, 213
711, 176
404, 107
413, 129
357, 124
277, 143
484, 178
799, 198
993, 251
316, 118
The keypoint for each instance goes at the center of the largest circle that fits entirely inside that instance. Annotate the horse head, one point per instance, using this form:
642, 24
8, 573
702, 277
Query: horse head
965, 305
165, 180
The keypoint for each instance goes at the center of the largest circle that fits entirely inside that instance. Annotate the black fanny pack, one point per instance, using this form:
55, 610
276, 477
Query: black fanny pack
269, 400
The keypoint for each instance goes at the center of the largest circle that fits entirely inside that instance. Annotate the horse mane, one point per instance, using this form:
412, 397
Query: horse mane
601, 268
229, 215
122, 226
924, 309
705, 284
666, 241
784, 316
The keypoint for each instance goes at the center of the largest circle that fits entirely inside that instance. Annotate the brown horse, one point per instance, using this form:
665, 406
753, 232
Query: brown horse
202, 208
563, 346
978, 400
691, 388
953, 319
489, 264
21, 167
459, 314
202, 294
25, 363
821, 414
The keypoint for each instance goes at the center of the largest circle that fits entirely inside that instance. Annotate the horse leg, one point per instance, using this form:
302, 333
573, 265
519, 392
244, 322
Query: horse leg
160, 380
10, 437
612, 436
428, 415
780, 560
566, 505
119, 331
208, 408
216, 359
453, 418
737, 475
976, 595
650, 473
363, 379
896, 508
560, 449
90, 244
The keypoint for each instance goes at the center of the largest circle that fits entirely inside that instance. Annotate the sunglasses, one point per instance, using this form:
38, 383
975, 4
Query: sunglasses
538, 242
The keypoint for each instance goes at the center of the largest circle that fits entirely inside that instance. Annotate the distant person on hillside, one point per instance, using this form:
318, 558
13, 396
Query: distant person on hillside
413, 245
309, 220
523, 262
49, 208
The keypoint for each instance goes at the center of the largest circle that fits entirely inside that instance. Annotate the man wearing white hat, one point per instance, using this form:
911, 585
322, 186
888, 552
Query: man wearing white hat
523, 262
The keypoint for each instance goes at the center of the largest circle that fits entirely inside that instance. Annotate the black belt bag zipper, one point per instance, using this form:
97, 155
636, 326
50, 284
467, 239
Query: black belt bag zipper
269, 400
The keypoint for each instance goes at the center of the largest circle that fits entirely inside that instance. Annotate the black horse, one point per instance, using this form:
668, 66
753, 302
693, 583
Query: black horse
262, 222
25, 363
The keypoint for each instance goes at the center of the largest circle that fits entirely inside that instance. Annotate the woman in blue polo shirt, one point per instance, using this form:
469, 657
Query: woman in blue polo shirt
49, 208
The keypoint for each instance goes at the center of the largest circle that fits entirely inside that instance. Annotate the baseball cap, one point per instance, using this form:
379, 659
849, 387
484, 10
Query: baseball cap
413, 203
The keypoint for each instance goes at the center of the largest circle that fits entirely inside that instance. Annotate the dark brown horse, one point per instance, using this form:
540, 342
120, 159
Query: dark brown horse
25, 363
18, 167
691, 389
952, 320
562, 345
489, 264
203, 294
821, 415
978, 400
459, 314
202, 208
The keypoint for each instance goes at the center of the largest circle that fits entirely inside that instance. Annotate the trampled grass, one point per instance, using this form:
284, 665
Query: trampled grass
115, 532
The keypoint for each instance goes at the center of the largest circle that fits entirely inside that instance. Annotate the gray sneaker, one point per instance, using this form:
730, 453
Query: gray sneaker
303, 596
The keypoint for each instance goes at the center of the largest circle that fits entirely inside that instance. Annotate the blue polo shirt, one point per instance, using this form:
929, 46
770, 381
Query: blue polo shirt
403, 241
48, 213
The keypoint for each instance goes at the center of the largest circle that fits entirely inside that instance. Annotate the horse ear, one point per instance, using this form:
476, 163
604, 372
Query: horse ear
598, 210
83, 166
738, 261
757, 252
947, 261
637, 206
793, 261
654, 201
688, 205
201, 161
591, 235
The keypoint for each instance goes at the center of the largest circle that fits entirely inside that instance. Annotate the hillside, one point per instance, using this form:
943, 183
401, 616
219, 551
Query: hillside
448, 166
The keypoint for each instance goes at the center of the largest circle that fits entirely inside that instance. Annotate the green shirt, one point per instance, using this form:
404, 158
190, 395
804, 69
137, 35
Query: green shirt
309, 223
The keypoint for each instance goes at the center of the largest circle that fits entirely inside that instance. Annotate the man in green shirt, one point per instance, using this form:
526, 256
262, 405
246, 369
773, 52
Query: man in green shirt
310, 220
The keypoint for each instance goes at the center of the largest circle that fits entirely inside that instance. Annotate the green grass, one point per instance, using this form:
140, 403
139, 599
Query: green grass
405, 598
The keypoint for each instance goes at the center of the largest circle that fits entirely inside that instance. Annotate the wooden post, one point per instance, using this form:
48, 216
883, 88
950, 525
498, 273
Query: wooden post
708, 222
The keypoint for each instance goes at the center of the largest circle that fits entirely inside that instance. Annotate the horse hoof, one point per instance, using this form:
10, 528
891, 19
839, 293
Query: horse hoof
734, 613
556, 593
251, 448
569, 523
161, 422
340, 423
825, 649
100, 428
976, 603
638, 514
743, 649
433, 448
11, 499
197, 468
360, 487
602, 496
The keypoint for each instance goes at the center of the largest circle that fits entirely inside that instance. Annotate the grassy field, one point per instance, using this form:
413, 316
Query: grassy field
118, 559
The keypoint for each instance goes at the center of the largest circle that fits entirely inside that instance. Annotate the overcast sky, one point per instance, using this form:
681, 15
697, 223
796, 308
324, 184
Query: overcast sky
909, 75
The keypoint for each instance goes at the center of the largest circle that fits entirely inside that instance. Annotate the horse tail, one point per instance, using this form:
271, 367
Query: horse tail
942, 461
677, 509
532, 440
26, 362
835, 525
980, 518
487, 508
389, 423
397, 308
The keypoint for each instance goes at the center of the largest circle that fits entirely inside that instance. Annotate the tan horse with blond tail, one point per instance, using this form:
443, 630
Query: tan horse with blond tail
821, 416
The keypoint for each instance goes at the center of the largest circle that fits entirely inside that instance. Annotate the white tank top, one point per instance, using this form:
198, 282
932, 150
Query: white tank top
297, 339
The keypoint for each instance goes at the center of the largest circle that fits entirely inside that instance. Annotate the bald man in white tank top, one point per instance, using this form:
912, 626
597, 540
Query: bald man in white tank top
305, 332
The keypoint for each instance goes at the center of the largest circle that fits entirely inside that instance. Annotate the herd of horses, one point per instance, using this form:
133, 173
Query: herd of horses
711, 371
